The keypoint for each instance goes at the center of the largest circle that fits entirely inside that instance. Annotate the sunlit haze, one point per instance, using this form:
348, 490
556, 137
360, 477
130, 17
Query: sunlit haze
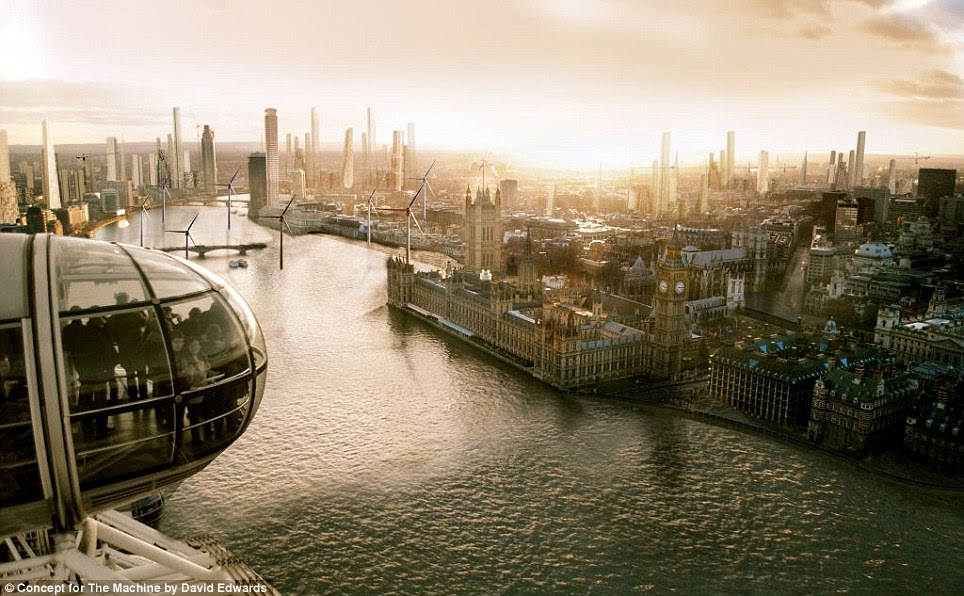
563, 82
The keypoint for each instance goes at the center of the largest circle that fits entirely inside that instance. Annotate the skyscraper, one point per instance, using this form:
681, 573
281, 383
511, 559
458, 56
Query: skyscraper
176, 151
932, 184
832, 168
296, 182
8, 190
111, 159
398, 163
258, 184
410, 154
597, 192
724, 175
858, 165
136, 170
209, 162
271, 156
314, 147
372, 145
703, 206
803, 170
662, 199
730, 157
653, 189
763, 173
49, 158
892, 177
509, 189
122, 161
348, 161
851, 172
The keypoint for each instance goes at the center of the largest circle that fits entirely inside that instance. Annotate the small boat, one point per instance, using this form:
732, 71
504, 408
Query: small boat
238, 264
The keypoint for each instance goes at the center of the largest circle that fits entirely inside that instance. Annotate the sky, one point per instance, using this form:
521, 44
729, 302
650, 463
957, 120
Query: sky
561, 82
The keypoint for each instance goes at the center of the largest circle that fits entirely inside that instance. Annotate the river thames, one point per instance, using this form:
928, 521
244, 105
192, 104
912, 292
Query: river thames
387, 458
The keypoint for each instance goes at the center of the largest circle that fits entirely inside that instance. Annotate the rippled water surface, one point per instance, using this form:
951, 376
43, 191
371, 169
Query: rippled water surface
386, 458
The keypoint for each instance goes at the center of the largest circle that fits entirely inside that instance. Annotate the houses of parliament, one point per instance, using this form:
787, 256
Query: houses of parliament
568, 337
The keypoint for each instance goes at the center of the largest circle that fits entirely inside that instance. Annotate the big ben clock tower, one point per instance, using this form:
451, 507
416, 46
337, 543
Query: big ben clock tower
670, 331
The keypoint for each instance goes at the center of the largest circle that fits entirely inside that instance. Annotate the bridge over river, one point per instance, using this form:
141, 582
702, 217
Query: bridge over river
203, 249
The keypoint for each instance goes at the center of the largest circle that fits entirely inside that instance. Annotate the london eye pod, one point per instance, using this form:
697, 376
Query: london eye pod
122, 371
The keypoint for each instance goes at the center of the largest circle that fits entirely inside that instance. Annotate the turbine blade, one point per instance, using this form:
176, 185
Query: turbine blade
288, 205
429, 169
412, 202
416, 222
193, 220
231, 181
290, 233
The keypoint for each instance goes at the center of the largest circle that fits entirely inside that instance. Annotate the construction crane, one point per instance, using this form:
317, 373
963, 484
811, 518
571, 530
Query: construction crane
916, 157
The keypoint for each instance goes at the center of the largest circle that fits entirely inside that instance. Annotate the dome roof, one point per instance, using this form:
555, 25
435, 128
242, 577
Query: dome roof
873, 250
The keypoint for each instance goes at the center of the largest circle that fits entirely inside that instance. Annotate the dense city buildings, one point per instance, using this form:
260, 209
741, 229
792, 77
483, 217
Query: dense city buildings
933, 184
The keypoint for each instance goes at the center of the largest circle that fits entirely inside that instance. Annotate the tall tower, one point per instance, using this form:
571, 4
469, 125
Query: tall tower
858, 169
313, 148
176, 151
653, 189
892, 177
730, 157
398, 161
550, 199
410, 153
348, 161
832, 168
670, 328
258, 183
372, 146
209, 161
704, 205
271, 156
49, 157
803, 170
597, 193
111, 159
662, 198
763, 173
483, 231
851, 173
8, 190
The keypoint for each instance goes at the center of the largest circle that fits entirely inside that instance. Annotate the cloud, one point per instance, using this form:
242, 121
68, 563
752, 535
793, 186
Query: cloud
788, 9
933, 84
934, 98
813, 31
906, 32
30, 100
941, 114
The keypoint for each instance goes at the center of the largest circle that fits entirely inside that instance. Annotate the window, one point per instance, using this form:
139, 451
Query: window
19, 475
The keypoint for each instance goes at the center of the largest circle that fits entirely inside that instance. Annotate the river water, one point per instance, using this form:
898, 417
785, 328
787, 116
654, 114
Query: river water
387, 458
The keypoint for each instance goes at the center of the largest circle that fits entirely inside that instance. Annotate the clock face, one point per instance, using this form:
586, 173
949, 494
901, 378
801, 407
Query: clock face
680, 287
663, 286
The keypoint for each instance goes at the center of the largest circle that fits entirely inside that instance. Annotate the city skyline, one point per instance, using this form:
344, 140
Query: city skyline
565, 83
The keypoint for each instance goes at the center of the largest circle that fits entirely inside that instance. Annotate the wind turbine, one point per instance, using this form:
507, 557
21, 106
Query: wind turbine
371, 207
187, 234
424, 179
282, 224
143, 215
230, 187
409, 218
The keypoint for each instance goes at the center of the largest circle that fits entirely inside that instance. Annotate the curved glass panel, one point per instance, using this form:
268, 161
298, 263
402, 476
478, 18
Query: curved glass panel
213, 279
250, 325
212, 344
92, 274
12, 255
167, 277
19, 474
215, 416
120, 393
